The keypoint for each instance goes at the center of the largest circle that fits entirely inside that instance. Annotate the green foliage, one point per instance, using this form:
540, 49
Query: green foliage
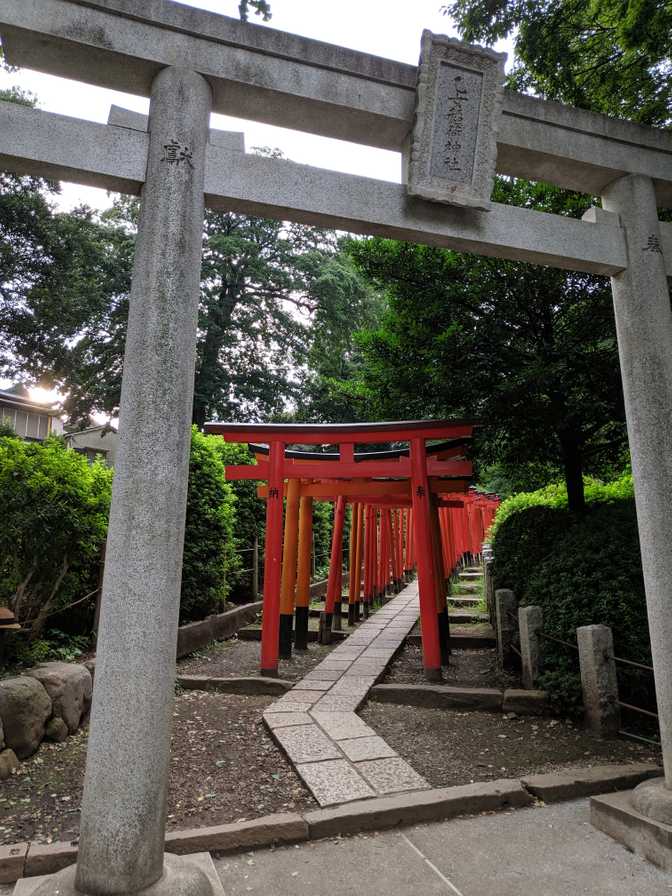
209, 545
528, 351
581, 570
523, 540
260, 7
55, 508
611, 56
323, 523
554, 496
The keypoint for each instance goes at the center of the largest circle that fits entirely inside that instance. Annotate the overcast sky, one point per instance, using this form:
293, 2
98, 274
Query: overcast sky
389, 28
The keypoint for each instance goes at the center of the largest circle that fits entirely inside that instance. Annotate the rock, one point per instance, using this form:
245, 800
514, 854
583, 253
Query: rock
69, 686
25, 707
525, 703
8, 763
56, 730
91, 666
2, 736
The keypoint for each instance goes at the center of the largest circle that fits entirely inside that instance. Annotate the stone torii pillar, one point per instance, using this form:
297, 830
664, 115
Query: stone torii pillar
121, 847
644, 327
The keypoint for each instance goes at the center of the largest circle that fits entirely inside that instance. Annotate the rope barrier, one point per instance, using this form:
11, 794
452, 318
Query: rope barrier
559, 641
619, 659
644, 712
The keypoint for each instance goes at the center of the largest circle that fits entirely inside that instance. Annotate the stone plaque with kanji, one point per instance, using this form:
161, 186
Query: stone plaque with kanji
453, 147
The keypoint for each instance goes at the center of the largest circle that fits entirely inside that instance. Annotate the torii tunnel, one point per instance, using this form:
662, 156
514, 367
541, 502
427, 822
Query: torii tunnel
411, 509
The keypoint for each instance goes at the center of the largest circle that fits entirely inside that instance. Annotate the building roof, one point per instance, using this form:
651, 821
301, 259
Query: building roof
18, 396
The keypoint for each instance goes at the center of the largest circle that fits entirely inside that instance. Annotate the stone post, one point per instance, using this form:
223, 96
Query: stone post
530, 623
644, 327
121, 846
489, 589
598, 679
506, 607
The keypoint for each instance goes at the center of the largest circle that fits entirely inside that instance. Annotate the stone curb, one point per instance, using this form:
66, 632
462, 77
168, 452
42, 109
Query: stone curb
573, 783
437, 696
12, 862
413, 808
266, 831
218, 627
30, 859
248, 686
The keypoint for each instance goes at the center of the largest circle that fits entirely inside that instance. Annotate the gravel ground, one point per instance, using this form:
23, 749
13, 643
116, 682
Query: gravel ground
224, 768
232, 658
468, 668
450, 747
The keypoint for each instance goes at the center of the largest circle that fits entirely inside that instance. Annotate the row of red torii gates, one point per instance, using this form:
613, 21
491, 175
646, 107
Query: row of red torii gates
411, 508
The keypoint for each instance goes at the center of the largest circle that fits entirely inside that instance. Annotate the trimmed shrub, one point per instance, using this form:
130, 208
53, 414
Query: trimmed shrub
523, 541
209, 544
581, 570
54, 521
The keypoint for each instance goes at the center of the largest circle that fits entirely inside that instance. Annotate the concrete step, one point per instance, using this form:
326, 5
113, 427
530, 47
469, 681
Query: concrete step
470, 575
477, 637
457, 600
460, 617
253, 633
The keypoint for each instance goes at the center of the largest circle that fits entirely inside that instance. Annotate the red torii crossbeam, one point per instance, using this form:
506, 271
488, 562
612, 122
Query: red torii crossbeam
415, 464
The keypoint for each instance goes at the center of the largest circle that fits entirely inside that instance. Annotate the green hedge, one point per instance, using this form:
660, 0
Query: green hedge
581, 570
55, 508
210, 559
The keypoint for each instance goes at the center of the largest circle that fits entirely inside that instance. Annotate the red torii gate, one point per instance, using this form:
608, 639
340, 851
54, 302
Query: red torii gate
425, 473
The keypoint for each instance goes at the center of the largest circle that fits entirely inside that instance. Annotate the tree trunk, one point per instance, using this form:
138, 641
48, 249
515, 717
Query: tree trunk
39, 622
217, 324
570, 448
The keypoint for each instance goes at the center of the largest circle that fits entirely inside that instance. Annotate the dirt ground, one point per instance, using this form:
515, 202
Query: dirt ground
229, 659
452, 747
468, 668
224, 768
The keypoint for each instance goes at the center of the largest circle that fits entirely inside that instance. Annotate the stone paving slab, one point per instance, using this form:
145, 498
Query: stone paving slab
391, 775
334, 782
342, 725
340, 703
339, 757
306, 743
313, 684
284, 719
320, 674
360, 749
289, 707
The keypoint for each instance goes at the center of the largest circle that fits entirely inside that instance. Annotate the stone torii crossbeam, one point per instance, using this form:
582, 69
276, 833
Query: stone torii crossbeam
190, 62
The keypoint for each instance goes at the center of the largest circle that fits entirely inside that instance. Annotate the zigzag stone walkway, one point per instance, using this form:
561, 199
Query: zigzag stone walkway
316, 723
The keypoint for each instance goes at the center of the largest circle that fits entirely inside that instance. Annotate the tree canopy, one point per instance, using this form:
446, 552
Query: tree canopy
611, 56
529, 351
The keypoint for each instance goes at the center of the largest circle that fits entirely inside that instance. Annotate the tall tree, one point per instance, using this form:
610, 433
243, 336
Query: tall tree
345, 302
262, 283
611, 56
529, 351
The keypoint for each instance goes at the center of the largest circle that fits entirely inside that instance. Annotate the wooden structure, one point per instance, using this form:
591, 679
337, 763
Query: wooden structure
410, 507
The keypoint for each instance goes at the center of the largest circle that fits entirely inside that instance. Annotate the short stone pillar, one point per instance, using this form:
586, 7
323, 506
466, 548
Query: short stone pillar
530, 623
505, 612
598, 679
489, 589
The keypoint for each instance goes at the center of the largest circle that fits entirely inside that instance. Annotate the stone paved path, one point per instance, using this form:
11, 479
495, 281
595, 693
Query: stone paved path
316, 723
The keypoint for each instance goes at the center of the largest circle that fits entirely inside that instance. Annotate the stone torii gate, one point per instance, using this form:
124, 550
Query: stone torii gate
454, 127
